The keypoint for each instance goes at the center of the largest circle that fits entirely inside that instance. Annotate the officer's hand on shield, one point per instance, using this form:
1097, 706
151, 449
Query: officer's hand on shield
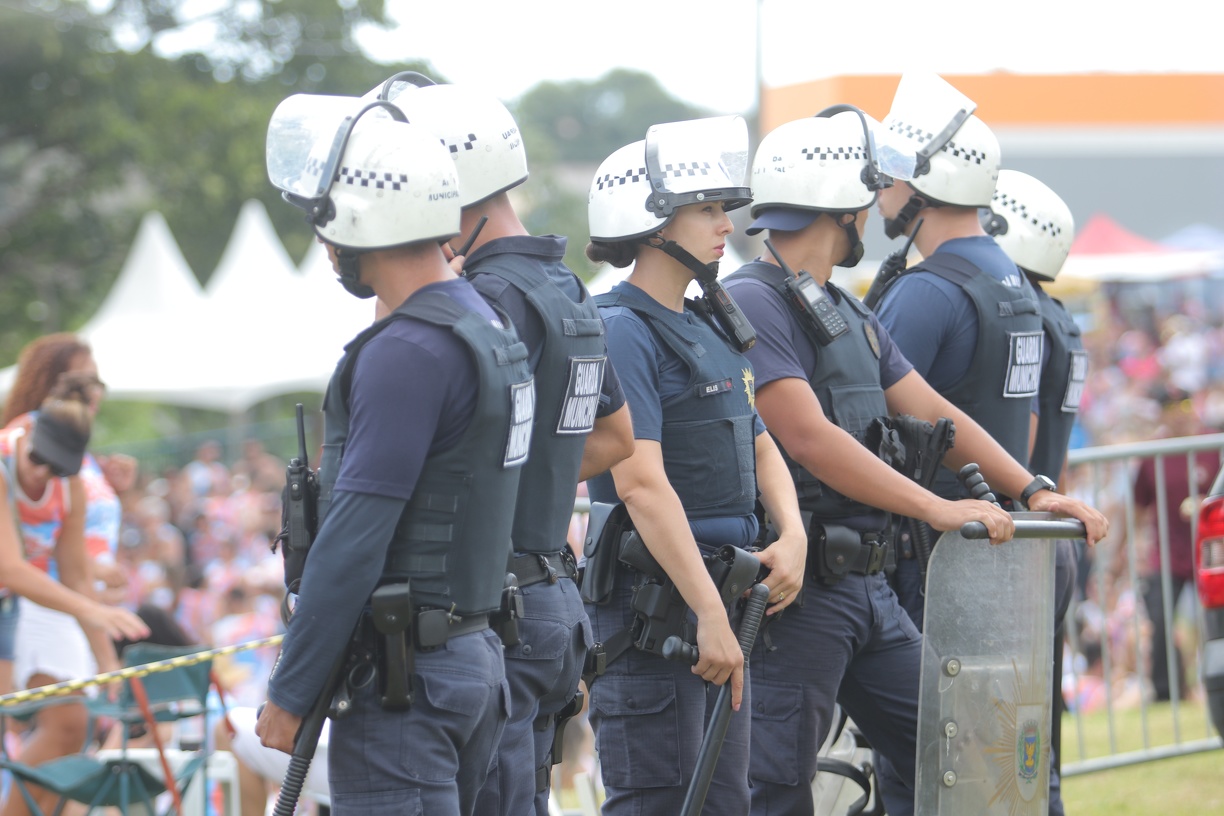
721, 658
1096, 526
786, 560
951, 515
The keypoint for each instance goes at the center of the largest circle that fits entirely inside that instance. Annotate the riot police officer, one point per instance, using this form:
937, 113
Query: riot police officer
428, 419
828, 376
577, 397
965, 317
700, 457
1035, 228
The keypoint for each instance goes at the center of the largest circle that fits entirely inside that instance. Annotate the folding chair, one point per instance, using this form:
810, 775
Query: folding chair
121, 780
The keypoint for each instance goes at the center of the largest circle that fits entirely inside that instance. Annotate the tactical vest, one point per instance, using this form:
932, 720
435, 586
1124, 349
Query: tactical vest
453, 540
708, 445
569, 377
1062, 386
998, 389
846, 380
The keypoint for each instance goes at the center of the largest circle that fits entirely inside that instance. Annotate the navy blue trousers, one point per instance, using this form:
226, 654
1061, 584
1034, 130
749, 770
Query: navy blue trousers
850, 644
433, 758
543, 671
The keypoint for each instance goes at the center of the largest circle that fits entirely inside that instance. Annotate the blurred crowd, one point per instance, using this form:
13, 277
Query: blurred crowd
1159, 377
196, 542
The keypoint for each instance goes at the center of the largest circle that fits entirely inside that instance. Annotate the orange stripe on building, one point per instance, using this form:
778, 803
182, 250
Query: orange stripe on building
1020, 100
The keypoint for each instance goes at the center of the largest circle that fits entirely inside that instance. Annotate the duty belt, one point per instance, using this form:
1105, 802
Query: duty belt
433, 627
532, 568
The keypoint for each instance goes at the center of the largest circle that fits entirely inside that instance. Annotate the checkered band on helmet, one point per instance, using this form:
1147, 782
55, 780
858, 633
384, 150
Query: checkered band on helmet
396, 185
963, 171
370, 178
815, 163
629, 176
1039, 228
616, 206
478, 131
687, 169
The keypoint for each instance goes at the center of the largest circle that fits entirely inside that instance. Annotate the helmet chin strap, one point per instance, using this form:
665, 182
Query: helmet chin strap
705, 273
350, 274
894, 227
856, 246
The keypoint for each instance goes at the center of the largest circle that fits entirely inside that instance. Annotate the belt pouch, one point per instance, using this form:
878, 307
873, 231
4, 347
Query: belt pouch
832, 549
391, 607
605, 525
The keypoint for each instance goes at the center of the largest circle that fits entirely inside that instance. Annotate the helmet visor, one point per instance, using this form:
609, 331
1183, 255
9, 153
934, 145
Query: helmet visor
698, 160
306, 138
926, 100
893, 156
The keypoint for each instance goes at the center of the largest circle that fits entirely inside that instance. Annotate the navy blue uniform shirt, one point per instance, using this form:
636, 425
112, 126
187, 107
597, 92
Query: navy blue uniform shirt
933, 320
413, 394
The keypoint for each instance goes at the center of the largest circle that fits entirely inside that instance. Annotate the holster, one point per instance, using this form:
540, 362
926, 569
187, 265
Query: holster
660, 613
392, 614
835, 551
911, 446
606, 524
505, 620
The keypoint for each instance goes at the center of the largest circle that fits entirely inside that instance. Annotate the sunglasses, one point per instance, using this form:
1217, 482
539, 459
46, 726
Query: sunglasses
55, 470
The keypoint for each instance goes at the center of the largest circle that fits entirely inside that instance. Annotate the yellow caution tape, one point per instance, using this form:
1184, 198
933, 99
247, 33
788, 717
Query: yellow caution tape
129, 672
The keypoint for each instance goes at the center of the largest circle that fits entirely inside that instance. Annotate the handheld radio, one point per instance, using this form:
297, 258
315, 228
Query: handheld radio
810, 298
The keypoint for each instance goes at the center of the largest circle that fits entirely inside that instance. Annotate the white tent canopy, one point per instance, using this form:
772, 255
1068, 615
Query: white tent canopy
262, 328
155, 288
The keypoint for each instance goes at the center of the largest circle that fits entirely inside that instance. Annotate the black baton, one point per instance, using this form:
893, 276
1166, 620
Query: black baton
716, 731
307, 741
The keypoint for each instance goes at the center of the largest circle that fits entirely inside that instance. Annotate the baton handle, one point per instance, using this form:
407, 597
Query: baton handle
1069, 528
307, 741
716, 731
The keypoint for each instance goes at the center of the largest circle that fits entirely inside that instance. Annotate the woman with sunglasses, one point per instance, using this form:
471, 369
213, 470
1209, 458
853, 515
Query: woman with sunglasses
39, 366
62, 632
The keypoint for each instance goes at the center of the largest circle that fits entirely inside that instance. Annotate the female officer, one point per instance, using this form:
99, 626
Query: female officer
700, 457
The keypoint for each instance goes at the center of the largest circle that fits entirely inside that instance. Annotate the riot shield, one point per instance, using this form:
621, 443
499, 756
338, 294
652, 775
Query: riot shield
984, 704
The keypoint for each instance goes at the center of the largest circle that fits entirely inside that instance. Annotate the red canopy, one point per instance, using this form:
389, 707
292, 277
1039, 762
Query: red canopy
1104, 236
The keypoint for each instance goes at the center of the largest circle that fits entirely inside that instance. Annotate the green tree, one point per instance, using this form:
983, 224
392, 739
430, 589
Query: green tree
96, 128
584, 121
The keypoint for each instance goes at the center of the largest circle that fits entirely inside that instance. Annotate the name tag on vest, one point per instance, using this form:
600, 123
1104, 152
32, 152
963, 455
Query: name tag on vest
1077, 375
1023, 365
581, 399
522, 414
711, 388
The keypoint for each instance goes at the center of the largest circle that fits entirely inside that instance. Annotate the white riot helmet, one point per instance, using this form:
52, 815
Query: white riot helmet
958, 155
637, 189
483, 139
828, 163
366, 179
1031, 223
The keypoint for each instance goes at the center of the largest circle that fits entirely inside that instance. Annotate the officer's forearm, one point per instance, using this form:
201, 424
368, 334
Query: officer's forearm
608, 443
776, 487
1005, 475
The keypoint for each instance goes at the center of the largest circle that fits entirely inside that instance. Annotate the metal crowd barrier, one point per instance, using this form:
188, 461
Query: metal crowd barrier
1108, 484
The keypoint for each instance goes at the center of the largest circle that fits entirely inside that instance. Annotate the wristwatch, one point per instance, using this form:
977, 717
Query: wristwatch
1039, 483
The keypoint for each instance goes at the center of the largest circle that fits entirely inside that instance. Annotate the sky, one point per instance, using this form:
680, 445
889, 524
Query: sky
704, 51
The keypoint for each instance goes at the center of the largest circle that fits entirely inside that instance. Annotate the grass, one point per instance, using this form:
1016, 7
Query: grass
1179, 786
